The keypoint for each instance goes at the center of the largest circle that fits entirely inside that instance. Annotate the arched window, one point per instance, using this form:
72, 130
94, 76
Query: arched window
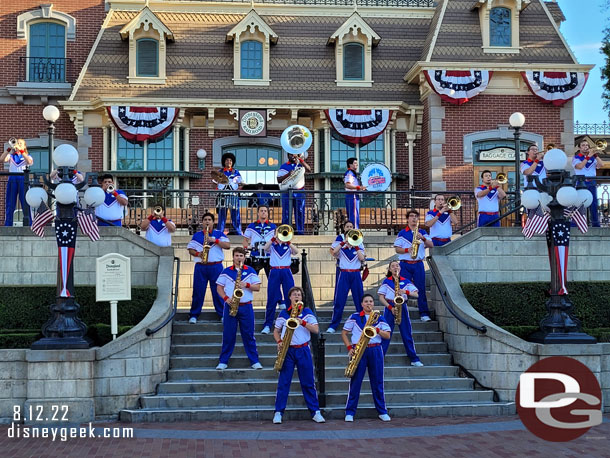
252, 60
147, 57
353, 61
500, 27
47, 54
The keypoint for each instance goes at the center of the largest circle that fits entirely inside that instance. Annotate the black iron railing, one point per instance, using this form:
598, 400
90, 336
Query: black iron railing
602, 128
45, 70
150, 332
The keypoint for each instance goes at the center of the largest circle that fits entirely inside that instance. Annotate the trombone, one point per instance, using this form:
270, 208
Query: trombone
354, 237
501, 178
454, 203
600, 146
158, 211
285, 233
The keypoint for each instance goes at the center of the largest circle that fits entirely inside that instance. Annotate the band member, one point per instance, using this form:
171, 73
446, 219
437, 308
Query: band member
245, 314
372, 359
18, 159
533, 165
298, 201
113, 208
256, 237
345, 228
439, 220
207, 271
387, 294
280, 278
158, 228
57, 175
232, 199
413, 268
350, 260
586, 165
488, 197
298, 355
352, 199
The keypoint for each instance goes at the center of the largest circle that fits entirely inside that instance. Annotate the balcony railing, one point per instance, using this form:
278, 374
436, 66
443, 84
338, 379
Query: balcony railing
45, 70
392, 3
602, 128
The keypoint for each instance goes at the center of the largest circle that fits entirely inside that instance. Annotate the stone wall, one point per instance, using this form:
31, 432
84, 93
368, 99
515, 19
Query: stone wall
497, 358
98, 382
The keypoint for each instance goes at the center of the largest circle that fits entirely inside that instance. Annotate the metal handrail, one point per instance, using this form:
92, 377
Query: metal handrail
150, 332
445, 298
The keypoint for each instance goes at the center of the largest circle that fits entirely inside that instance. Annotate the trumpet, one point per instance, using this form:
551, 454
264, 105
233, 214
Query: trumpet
550, 146
454, 203
354, 237
285, 233
110, 189
158, 211
12, 142
501, 178
600, 146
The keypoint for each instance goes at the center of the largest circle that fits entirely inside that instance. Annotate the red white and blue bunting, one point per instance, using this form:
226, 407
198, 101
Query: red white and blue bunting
138, 124
555, 87
458, 86
359, 127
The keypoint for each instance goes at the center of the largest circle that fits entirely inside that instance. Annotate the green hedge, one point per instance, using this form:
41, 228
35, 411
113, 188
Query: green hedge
518, 307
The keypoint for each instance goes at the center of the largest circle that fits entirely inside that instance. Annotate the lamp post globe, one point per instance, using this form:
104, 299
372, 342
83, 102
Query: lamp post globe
516, 120
65, 156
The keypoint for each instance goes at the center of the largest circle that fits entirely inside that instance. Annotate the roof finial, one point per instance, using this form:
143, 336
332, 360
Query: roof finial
252, 4
355, 5
146, 3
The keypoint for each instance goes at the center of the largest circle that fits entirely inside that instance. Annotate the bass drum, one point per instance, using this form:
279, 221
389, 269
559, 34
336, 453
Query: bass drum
376, 178
294, 265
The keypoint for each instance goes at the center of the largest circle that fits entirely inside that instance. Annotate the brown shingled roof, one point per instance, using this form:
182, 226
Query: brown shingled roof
555, 11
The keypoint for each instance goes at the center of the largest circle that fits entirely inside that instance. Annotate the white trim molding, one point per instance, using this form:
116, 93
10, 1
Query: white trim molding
45, 12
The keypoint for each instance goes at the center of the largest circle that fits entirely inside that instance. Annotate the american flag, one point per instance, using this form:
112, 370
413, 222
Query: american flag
537, 222
579, 216
88, 224
65, 231
42, 218
558, 239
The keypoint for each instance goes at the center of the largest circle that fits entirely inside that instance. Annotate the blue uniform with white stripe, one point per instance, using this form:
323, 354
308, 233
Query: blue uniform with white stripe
158, 234
350, 279
413, 269
111, 210
352, 199
441, 231
298, 201
232, 201
299, 355
205, 273
15, 187
280, 279
589, 171
372, 359
245, 315
489, 207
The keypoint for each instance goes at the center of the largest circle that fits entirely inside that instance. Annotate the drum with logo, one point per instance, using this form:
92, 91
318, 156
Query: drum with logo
376, 178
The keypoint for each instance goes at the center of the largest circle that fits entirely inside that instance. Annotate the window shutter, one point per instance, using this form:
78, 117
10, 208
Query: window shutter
147, 57
353, 61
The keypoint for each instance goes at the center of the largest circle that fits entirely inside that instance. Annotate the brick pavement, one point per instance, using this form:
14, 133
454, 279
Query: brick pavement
453, 437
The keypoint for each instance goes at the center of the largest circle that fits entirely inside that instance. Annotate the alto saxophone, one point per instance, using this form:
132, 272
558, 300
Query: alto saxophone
398, 301
291, 324
415, 244
205, 251
237, 294
368, 333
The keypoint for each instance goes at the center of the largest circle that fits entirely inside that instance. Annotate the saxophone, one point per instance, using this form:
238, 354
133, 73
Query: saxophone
415, 244
398, 301
205, 251
237, 294
291, 324
368, 333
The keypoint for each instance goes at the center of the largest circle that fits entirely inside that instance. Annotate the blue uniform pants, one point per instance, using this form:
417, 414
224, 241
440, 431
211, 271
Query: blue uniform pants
405, 332
347, 281
484, 219
245, 318
439, 242
301, 358
373, 361
280, 280
298, 207
592, 187
352, 206
416, 274
15, 187
235, 220
201, 276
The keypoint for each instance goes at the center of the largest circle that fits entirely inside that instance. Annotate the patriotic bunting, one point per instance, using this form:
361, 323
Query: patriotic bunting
458, 86
558, 240
359, 127
142, 123
555, 87
65, 232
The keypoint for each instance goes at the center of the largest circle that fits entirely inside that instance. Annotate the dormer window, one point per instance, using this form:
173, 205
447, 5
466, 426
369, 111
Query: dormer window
354, 42
499, 27
251, 39
499, 21
147, 36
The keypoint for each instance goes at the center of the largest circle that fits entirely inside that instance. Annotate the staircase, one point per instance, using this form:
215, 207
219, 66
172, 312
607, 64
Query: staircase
196, 391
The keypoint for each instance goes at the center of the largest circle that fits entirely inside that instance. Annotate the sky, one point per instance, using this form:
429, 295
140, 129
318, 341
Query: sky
583, 30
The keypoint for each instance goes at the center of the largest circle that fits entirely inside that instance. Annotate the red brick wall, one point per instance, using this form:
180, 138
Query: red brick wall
485, 112
421, 162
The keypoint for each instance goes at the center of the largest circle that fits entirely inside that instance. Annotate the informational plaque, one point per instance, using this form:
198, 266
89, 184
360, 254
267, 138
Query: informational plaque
252, 123
113, 278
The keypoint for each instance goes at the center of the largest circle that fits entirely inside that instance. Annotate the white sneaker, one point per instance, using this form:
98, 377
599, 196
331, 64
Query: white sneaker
417, 364
277, 418
318, 418
266, 330
330, 331
221, 367
256, 366
193, 320
349, 418
426, 318
384, 417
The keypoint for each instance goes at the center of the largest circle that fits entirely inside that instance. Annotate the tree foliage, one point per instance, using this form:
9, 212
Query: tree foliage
605, 49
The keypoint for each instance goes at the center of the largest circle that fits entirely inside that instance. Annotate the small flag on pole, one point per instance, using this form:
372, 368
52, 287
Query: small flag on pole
579, 216
42, 218
537, 222
88, 224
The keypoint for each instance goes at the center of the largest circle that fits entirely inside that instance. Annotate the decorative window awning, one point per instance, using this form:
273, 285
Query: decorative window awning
138, 124
458, 86
555, 87
359, 127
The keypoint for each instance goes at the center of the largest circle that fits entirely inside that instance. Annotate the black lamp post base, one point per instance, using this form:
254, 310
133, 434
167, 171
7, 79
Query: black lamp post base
561, 338
62, 343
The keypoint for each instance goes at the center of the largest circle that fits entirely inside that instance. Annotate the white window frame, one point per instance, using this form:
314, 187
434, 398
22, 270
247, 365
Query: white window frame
515, 7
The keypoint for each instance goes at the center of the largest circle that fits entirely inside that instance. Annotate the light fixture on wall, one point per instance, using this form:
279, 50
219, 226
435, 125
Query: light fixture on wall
201, 155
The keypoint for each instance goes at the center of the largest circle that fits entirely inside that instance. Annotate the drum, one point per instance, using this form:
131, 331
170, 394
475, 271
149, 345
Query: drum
257, 263
294, 265
228, 200
376, 177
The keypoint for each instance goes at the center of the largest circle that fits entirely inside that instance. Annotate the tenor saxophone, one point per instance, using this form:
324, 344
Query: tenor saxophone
291, 324
205, 251
368, 333
237, 294
398, 301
